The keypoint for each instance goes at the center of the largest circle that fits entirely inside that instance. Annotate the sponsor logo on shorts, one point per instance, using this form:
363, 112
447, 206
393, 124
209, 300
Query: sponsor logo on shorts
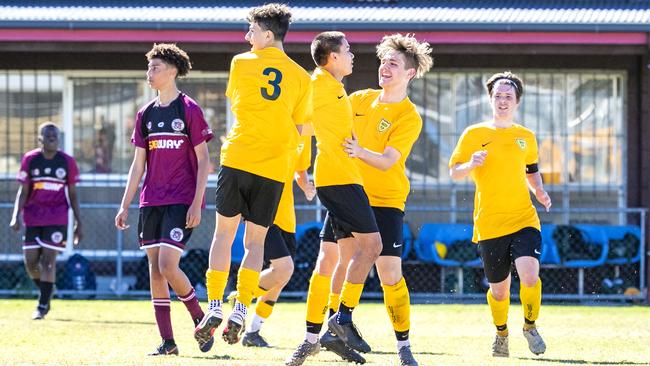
47, 170
178, 125
165, 144
161, 124
60, 173
176, 234
36, 172
57, 237
383, 125
521, 143
149, 125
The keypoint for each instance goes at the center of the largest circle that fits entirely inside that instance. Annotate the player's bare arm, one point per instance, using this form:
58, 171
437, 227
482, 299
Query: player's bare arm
382, 161
307, 186
462, 170
21, 198
193, 218
537, 187
74, 203
135, 175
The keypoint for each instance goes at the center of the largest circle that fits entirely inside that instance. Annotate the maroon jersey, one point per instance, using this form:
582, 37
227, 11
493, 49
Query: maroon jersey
169, 135
47, 203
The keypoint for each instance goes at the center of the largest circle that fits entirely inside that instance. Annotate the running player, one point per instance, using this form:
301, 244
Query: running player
387, 125
170, 137
339, 188
45, 175
501, 157
280, 247
271, 98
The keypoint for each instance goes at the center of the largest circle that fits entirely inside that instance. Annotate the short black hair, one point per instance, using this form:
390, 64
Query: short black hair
171, 55
324, 44
45, 125
273, 17
508, 78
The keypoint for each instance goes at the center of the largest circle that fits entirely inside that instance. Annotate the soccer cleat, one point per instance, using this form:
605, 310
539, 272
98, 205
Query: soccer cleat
254, 339
167, 347
535, 342
406, 357
204, 331
334, 344
232, 331
348, 334
40, 312
304, 350
500, 346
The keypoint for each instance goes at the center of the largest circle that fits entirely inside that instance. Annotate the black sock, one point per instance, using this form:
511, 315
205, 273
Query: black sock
314, 328
37, 282
332, 312
402, 336
501, 328
46, 293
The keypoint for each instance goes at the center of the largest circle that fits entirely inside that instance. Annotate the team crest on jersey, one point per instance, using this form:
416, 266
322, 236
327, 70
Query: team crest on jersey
149, 125
36, 172
60, 173
178, 125
521, 143
47, 170
57, 237
161, 124
383, 125
176, 234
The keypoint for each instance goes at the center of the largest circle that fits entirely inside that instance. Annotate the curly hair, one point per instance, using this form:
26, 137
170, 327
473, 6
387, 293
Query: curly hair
273, 17
171, 55
508, 78
417, 54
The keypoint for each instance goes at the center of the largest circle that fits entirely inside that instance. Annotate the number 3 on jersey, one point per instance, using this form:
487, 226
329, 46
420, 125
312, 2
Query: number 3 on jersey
274, 82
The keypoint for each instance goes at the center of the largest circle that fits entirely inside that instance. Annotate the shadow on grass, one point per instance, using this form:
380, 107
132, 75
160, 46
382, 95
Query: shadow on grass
414, 352
581, 362
99, 321
211, 357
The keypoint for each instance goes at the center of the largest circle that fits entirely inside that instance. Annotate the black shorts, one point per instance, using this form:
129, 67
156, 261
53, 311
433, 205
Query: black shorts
279, 244
498, 254
254, 197
390, 221
348, 211
163, 226
51, 237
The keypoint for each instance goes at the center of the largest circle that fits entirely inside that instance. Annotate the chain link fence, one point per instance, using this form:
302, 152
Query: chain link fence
596, 254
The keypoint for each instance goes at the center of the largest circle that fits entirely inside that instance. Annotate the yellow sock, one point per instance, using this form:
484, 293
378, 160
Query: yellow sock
263, 310
247, 282
319, 289
499, 311
351, 294
398, 305
334, 301
215, 281
531, 301
259, 292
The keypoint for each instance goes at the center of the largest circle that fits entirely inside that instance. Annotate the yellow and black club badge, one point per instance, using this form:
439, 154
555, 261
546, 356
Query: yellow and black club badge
383, 125
521, 143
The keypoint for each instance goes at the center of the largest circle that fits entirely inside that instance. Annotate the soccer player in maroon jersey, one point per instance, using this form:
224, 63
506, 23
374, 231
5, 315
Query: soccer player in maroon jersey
45, 173
170, 138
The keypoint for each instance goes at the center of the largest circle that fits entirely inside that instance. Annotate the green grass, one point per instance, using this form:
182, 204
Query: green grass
122, 332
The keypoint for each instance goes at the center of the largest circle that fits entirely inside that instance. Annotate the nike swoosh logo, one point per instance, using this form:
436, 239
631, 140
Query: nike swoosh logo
537, 252
396, 246
486, 144
341, 96
359, 115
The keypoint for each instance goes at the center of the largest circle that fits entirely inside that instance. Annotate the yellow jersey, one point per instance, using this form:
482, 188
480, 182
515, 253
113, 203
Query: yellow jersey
377, 126
269, 94
332, 122
502, 203
285, 218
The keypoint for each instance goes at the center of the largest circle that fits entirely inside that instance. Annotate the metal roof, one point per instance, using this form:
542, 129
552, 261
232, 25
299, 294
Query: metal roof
479, 15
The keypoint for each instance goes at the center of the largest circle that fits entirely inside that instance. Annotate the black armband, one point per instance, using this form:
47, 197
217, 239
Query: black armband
531, 168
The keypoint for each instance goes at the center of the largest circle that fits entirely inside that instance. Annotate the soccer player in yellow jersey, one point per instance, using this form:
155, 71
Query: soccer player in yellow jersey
270, 97
386, 125
280, 246
339, 187
501, 158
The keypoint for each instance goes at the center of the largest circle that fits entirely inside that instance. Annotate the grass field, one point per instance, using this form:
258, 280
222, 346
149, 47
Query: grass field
122, 332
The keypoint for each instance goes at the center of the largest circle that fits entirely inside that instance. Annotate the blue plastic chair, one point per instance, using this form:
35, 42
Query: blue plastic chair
593, 235
550, 254
237, 249
408, 241
618, 232
444, 233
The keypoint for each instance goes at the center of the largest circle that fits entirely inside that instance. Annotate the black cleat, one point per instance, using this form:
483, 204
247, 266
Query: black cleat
203, 333
166, 348
333, 343
406, 357
348, 334
232, 331
40, 312
304, 350
254, 339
